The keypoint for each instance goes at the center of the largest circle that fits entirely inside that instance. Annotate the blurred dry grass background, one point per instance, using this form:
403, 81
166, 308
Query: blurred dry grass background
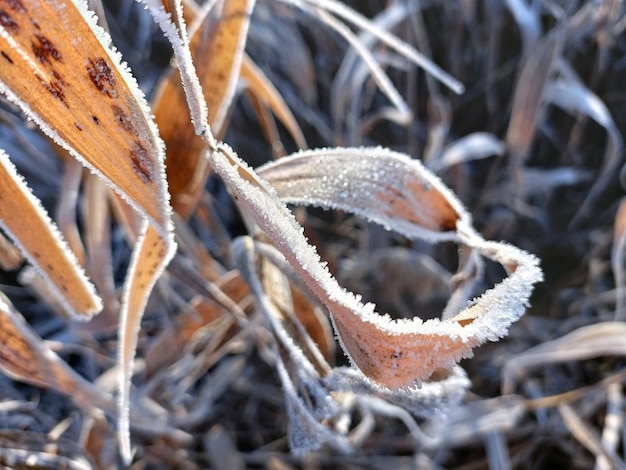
533, 148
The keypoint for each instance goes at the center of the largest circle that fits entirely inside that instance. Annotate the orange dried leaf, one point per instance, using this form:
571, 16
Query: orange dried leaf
260, 86
55, 67
24, 356
396, 191
217, 42
22, 216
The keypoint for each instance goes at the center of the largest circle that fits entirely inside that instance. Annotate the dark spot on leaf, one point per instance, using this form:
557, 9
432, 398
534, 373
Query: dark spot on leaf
78, 126
55, 88
57, 91
6, 56
95, 120
396, 355
45, 50
8, 23
123, 119
102, 76
142, 164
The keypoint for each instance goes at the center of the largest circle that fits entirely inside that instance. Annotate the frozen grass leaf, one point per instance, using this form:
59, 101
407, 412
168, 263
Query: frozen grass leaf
58, 67
218, 37
379, 184
391, 353
24, 219
151, 255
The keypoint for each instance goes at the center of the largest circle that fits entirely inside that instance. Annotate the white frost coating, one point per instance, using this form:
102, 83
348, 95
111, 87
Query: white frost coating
129, 330
179, 40
60, 243
354, 180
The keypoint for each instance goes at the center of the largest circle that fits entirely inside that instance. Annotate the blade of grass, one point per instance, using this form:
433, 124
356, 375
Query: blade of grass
23, 218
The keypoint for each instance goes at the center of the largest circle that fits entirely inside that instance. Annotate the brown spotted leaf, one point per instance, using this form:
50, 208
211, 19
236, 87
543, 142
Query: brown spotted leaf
218, 37
24, 219
55, 67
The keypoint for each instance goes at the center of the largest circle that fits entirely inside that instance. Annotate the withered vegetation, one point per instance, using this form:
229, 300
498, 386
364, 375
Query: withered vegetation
517, 107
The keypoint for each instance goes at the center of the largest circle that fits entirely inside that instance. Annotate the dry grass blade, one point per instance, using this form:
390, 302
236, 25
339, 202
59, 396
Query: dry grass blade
384, 36
471, 147
617, 261
23, 217
587, 437
218, 37
613, 423
260, 86
66, 208
607, 338
528, 98
10, 255
24, 356
575, 98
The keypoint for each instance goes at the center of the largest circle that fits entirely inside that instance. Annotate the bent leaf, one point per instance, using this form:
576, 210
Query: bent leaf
24, 219
393, 190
